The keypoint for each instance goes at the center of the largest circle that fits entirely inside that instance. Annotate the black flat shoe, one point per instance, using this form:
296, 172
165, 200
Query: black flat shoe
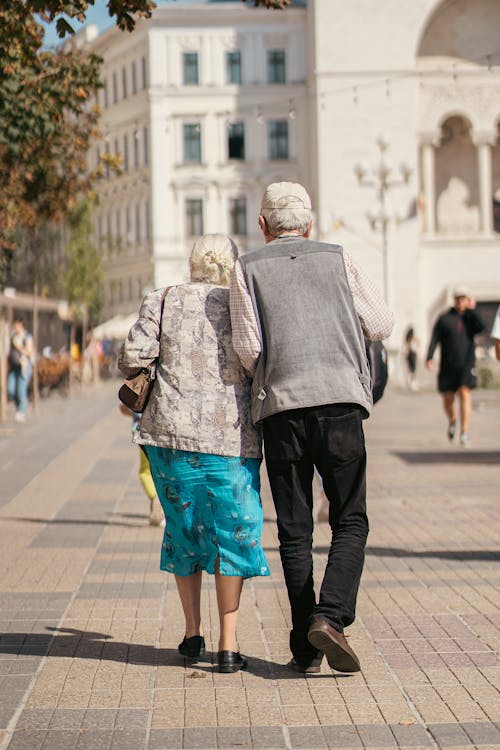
230, 661
192, 647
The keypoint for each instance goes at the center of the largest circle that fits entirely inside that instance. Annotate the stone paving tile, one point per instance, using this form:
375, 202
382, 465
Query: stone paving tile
342, 736
482, 733
307, 737
447, 735
411, 735
123, 739
94, 739
166, 739
27, 740
376, 736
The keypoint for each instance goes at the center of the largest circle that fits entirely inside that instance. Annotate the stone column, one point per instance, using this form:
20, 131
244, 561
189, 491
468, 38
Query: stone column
429, 184
483, 144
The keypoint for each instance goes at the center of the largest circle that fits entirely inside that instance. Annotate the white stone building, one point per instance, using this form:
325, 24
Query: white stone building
208, 102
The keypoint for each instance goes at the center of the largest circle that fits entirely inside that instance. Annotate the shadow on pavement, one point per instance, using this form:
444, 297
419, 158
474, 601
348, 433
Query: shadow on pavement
449, 457
80, 521
73, 643
462, 555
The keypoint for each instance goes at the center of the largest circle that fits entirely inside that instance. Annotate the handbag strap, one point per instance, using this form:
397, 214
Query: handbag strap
165, 292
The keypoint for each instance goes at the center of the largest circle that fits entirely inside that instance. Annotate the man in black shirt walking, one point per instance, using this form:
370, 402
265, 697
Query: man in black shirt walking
454, 331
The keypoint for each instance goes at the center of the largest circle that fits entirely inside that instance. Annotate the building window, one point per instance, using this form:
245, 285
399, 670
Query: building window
276, 66
99, 232
147, 220
135, 138
194, 217
107, 153
138, 227
128, 225
118, 227
134, 77
277, 131
125, 153
105, 99
190, 68
115, 88
145, 143
192, 142
238, 216
233, 67
124, 83
109, 231
144, 73
236, 140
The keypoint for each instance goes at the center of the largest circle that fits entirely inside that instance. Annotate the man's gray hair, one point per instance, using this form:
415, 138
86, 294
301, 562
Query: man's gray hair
212, 259
280, 220
286, 207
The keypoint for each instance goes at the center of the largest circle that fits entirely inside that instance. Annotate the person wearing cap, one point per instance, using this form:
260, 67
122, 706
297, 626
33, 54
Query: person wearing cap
454, 331
495, 333
299, 309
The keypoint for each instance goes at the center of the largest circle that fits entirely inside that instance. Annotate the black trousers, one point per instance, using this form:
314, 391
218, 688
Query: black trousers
331, 438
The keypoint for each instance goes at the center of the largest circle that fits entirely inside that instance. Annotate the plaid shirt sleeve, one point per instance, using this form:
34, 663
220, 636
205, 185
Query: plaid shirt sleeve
377, 321
246, 335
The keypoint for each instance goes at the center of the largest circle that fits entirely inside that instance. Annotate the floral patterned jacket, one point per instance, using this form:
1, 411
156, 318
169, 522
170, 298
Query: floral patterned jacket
201, 396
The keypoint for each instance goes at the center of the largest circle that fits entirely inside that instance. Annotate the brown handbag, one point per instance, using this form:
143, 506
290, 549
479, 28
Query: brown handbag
135, 391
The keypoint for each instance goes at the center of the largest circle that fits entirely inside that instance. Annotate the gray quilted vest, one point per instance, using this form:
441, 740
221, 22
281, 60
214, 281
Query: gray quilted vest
313, 349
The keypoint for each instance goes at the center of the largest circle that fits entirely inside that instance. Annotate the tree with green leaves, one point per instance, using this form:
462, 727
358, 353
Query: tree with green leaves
81, 278
47, 120
46, 123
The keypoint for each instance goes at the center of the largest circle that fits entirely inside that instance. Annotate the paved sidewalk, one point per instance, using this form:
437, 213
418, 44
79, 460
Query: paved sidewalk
90, 626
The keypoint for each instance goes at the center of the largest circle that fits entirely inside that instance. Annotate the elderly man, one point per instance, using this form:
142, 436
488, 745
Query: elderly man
299, 309
454, 331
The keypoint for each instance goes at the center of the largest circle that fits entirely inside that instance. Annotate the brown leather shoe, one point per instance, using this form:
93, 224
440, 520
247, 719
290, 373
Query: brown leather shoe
340, 655
312, 667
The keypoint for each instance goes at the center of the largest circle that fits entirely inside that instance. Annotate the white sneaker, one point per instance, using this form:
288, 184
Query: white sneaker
19, 416
465, 440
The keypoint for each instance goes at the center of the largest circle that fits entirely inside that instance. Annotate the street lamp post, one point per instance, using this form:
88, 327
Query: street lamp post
380, 177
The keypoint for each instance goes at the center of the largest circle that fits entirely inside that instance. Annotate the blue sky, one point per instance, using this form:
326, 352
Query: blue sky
97, 14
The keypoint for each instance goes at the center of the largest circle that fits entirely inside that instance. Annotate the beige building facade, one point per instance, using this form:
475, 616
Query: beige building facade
209, 102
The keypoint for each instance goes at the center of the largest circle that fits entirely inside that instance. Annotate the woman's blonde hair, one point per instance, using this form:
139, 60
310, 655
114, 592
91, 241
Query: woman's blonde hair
212, 259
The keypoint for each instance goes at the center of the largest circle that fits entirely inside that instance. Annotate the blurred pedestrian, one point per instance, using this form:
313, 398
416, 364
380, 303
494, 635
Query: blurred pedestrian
495, 333
20, 367
202, 447
156, 517
299, 309
454, 331
410, 352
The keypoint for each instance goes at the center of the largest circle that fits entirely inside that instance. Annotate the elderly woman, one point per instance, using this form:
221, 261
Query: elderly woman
202, 447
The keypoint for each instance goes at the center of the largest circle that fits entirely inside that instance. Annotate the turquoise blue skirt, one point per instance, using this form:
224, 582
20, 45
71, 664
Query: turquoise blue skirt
212, 509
